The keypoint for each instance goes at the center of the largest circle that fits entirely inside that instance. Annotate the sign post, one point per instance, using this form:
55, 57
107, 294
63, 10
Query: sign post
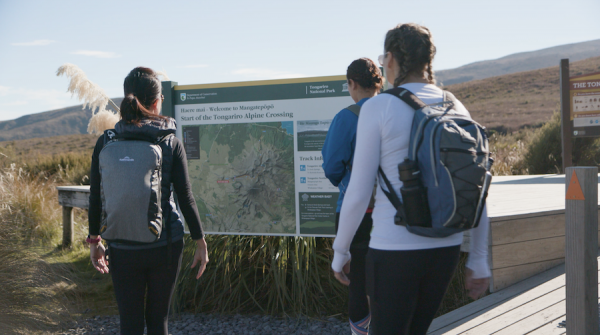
565, 113
581, 245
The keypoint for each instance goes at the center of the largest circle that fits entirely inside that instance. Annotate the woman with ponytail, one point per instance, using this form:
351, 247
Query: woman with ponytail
364, 82
407, 274
144, 275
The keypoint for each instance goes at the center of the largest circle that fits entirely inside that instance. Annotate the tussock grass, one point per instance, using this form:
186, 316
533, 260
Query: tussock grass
29, 301
263, 274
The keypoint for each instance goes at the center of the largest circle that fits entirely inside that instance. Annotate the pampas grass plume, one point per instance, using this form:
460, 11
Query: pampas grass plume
91, 95
163, 74
102, 121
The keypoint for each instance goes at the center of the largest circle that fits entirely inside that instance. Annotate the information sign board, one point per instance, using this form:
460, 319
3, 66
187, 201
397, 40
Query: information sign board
584, 94
254, 153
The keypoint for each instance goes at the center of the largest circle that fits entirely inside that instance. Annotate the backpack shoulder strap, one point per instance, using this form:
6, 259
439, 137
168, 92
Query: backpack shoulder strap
392, 197
354, 109
109, 135
407, 96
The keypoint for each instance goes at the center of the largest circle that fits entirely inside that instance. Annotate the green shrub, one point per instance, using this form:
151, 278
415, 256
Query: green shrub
544, 153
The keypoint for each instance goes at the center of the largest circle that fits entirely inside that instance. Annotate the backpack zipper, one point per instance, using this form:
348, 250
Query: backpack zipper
432, 149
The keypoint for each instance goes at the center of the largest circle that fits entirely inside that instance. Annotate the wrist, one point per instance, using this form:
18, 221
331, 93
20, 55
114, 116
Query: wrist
93, 239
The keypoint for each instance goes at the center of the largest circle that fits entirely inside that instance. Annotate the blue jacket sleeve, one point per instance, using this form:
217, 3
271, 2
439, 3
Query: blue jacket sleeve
338, 147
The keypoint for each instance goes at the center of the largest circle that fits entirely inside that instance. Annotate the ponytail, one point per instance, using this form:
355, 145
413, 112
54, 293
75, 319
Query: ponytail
142, 88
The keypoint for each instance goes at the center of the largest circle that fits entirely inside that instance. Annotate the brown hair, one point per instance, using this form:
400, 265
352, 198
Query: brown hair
412, 47
142, 88
365, 73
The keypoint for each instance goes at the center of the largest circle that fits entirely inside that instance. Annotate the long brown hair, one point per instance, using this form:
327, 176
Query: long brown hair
365, 73
412, 47
142, 88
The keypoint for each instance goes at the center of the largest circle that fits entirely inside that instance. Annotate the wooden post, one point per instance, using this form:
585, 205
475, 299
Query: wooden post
68, 227
565, 116
581, 246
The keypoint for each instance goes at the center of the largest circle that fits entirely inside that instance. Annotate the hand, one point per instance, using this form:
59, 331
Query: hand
97, 255
201, 256
476, 287
342, 276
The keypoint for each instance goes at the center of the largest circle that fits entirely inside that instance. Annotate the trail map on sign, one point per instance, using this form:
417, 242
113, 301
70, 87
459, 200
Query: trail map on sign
243, 179
254, 154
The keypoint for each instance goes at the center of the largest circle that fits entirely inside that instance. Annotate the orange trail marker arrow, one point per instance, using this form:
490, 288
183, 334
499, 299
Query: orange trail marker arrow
574, 191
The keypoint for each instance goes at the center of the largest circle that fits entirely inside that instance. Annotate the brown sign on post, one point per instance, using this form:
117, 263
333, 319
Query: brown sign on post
584, 94
580, 108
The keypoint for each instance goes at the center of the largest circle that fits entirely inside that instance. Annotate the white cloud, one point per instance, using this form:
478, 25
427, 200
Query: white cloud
256, 73
99, 54
50, 98
194, 66
34, 43
16, 103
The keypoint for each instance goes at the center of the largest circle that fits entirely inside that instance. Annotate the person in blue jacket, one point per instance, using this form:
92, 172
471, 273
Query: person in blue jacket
364, 82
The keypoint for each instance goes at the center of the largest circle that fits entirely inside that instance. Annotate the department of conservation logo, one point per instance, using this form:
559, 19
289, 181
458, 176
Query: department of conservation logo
305, 197
182, 96
345, 87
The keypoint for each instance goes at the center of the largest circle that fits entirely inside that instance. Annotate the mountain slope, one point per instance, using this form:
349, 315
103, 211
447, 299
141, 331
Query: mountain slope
516, 100
64, 121
524, 61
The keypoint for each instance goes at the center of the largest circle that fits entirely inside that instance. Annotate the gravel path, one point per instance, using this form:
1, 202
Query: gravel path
220, 324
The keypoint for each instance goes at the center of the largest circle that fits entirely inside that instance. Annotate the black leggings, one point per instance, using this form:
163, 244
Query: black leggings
358, 305
139, 274
406, 287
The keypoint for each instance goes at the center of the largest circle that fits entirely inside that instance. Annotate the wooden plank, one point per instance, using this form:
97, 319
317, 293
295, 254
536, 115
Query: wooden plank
511, 297
541, 317
581, 247
531, 323
527, 252
513, 313
507, 276
74, 188
74, 199
495, 304
550, 328
533, 228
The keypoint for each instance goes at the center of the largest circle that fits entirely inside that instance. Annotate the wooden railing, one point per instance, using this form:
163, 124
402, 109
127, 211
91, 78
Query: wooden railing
69, 197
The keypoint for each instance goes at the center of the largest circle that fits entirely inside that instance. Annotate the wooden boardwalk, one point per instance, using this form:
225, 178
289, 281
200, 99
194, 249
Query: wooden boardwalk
527, 227
534, 306
526, 238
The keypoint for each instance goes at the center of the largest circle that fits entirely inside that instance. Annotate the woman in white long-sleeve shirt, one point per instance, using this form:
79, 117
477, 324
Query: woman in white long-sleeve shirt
407, 274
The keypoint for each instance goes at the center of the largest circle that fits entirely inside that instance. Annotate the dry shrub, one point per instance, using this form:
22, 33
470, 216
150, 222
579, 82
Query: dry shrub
544, 153
69, 168
508, 151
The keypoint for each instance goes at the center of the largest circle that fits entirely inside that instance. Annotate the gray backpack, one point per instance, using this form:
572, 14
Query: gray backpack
131, 173
446, 175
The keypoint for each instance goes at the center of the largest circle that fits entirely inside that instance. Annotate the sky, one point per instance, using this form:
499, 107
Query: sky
199, 42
